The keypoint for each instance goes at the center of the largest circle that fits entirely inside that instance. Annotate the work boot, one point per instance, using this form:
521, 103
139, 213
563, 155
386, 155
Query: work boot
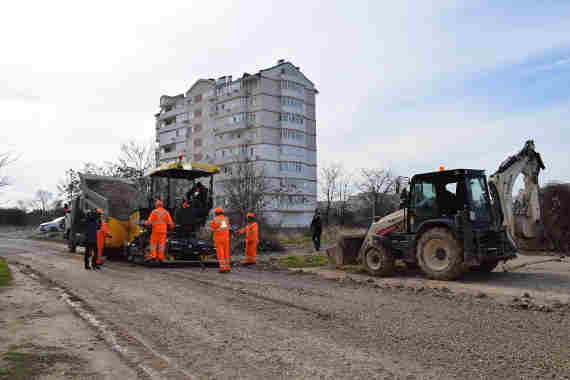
87, 267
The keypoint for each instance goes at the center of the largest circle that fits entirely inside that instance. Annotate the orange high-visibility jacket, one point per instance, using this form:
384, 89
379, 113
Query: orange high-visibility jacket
251, 232
104, 228
220, 226
160, 220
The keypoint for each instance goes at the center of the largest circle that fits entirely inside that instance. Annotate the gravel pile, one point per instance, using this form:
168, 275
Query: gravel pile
122, 197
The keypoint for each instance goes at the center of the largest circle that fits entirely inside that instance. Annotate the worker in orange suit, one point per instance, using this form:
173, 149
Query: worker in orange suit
251, 232
220, 227
160, 220
102, 233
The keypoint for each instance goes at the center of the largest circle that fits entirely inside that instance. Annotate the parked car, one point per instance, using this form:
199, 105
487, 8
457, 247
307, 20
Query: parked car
56, 225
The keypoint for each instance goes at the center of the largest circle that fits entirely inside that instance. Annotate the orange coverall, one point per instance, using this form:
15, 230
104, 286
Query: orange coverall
160, 220
101, 234
251, 240
220, 226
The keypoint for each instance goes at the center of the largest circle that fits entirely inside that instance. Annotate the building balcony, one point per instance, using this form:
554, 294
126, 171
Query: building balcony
169, 114
173, 126
228, 127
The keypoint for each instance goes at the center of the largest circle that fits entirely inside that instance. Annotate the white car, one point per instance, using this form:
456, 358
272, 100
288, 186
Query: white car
56, 225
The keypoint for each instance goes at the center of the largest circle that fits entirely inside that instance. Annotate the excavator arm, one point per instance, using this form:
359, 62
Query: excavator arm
529, 163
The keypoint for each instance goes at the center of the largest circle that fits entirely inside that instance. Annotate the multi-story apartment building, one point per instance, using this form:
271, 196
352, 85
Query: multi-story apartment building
267, 117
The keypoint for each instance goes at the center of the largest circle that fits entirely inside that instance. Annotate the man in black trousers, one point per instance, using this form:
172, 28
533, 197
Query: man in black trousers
93, 224
317, 230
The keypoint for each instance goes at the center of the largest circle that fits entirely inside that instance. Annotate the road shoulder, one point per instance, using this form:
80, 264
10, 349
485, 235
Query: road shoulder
42, 337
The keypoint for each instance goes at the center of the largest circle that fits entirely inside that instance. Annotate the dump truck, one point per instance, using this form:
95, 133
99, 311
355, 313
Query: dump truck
119, 200
451, 221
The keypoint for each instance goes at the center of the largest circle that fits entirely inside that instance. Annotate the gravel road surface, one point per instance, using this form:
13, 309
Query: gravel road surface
256, 324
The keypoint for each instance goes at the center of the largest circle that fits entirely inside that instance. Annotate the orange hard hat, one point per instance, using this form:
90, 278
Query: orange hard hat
219, 210
99, 211
180, 155
158, 203
250, 215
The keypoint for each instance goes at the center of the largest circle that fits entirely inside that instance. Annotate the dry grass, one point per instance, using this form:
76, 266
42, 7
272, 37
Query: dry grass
5, 274
303, 261
330, 235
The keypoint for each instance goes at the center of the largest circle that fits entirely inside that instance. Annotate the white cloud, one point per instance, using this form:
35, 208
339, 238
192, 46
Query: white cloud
82, 78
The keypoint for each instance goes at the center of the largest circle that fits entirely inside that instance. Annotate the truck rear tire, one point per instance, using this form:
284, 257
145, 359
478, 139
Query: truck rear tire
440, 255
378, 261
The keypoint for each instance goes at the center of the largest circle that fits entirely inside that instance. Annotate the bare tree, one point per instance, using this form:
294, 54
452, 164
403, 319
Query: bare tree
68, 187
42, 199
5, 160
246, 189
328, 185
345, 189
375, 184
133, 162
135, 159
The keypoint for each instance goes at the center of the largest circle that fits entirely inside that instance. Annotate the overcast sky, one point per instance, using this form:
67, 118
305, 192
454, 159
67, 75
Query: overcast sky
409, 86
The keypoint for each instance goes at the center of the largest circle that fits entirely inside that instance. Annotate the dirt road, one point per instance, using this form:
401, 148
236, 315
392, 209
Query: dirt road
185, 323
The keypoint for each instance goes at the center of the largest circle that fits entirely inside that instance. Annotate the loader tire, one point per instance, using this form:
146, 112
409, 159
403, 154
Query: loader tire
485, 267
440, 255
378, 261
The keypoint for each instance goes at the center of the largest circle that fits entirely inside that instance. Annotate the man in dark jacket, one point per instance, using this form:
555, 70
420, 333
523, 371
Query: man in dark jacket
93, 225
317, 230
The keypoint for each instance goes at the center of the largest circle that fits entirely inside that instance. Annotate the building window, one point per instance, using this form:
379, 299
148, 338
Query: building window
197, 113
289, 85
291, 134
169, 148
197, 128
198, 98
251, 116
251, 152
288, 101
291, 117
189, 131
291, 167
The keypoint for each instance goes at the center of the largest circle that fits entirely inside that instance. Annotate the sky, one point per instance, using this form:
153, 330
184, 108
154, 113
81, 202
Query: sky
408, 86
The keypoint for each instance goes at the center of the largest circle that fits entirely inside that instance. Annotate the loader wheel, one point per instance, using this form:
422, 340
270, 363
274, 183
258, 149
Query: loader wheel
485, 267
439, 255
378, 261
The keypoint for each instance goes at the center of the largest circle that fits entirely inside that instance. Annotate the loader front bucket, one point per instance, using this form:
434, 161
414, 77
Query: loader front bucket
346, 250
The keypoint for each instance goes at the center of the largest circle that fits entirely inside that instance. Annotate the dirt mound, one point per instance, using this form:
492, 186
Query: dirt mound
555, 213
122, 197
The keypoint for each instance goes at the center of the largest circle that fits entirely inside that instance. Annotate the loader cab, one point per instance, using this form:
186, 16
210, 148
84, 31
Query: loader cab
446, 196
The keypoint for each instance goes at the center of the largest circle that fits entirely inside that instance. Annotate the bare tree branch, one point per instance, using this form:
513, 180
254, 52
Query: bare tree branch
328, 185
42, 200
375, 184
246, 189
5, 160
68, 187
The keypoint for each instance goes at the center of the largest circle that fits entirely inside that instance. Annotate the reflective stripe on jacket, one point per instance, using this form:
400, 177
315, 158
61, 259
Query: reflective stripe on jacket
220, 226
160, 220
